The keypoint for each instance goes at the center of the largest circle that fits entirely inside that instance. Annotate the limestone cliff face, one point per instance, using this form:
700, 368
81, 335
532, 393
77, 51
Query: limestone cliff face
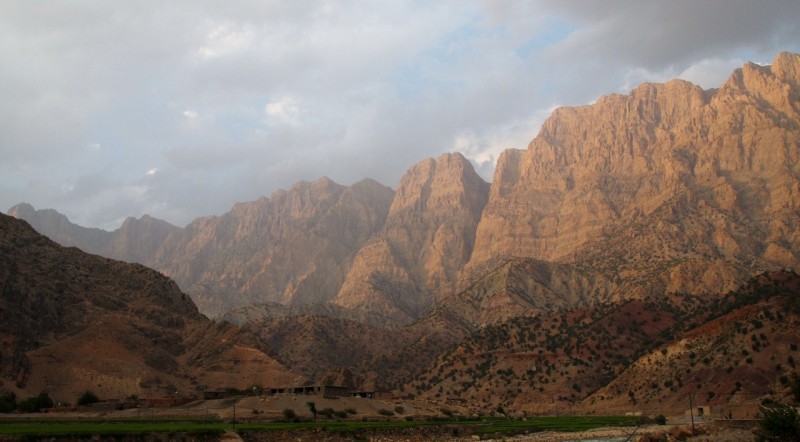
669, 187
428, 237
293, 247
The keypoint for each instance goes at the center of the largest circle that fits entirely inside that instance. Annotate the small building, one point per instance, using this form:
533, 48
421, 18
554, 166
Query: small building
164, 402
215, 394
372, 394
699, 411
320, 390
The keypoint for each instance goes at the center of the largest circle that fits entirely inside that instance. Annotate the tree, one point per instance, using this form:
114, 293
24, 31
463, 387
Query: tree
88, 398
289, 414
8, 402
35, 404
779, 423
312, 407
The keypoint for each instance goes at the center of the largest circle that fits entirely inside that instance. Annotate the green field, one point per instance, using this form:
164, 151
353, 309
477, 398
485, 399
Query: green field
483, 427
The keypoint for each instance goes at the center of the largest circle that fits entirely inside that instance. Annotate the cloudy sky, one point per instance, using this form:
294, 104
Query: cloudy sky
178, 109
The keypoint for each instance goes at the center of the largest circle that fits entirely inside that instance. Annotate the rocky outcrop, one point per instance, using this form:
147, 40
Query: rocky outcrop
669, 188
428, 237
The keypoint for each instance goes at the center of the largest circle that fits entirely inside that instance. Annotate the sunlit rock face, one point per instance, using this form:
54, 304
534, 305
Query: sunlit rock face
668, 188
416, 258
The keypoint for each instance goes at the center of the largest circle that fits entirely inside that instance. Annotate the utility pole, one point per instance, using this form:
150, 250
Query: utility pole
691, 412
234, 418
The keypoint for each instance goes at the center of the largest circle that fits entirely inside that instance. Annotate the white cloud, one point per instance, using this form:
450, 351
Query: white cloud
711, 72
225, 39
151, 172
285, 110
260, 95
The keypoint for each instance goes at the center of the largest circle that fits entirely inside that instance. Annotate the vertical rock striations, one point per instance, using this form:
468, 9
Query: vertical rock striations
428, 237
667, 188
294, 247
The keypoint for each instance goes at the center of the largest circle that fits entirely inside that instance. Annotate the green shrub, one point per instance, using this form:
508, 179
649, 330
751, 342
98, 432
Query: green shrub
399, 409
8, 402
289, 414
88, 398
660, 419
385, 412
35, 403
796, 387
779, 423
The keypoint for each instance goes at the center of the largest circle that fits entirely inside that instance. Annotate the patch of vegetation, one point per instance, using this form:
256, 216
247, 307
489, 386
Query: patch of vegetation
289, 414
779, 423
88, 398
35, 404
24, 428
8, 402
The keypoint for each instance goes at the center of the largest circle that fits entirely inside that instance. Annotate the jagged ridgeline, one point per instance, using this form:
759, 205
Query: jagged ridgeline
670, 188
664, 221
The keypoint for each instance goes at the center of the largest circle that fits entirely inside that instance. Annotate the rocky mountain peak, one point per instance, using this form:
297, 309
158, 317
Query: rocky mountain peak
667, 188
415, 259
687, 169
438, 185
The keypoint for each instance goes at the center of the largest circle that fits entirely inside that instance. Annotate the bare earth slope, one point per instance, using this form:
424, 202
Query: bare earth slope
74, 321
731, 352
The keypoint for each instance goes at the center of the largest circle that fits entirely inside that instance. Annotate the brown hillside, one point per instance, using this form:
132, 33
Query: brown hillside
74, 322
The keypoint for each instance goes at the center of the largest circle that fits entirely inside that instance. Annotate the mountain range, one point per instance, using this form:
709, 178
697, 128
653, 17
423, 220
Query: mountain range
645, 218
668, 189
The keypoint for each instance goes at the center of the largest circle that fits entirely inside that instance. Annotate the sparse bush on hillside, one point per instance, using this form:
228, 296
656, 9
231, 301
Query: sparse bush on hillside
289, 414
8, 402
312, 407
88, 398
35, 404
796, 386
